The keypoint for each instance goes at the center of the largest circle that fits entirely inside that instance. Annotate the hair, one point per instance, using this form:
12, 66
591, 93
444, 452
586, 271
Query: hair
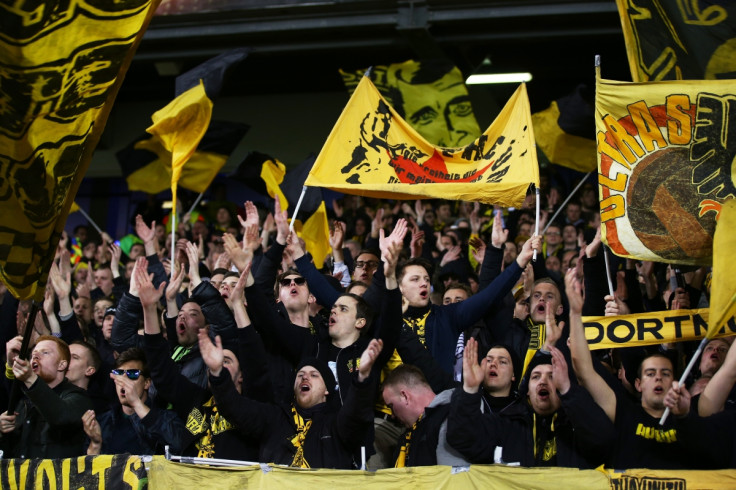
407, 375
362, 310
134, 354
649, 356
371, 251
231, 274
356, 284
94, 354
219, 270
103, 298
452, 237
421, 262
460, 285
547, 280
60, 344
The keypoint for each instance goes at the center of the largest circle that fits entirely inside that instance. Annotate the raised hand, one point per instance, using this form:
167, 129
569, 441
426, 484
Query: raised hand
419, 210
368, 358
499, 236
525, 256
453, 253
93, 431
337, 208
294, 248
560, 374
472, 371
417, 242
172, 289
148, 294
62, 285
615, 306
574, 292
212, 354
282, 222
677, 399
193, 257
337, 235
552, 328
144, 232
478, 249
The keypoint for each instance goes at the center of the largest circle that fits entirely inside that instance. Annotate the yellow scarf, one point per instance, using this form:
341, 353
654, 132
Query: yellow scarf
417, 325
298, 440
404, 450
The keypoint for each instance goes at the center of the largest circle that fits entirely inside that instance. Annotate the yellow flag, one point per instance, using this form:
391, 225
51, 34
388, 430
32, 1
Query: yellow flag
74, 208
316, 235
723, 285
373, 152
665, 151
561, 147
180, 126
61, 65
272, 173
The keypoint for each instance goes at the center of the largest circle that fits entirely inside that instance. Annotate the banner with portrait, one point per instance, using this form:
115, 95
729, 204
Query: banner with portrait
374, 152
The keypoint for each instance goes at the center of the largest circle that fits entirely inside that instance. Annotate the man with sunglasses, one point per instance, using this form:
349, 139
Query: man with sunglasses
134, 425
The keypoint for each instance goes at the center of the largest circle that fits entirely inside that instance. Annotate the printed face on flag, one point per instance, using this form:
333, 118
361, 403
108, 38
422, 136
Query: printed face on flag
373, 152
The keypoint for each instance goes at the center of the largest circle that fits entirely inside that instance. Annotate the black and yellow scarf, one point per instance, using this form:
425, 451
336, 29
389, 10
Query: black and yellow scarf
302, 428
404, 449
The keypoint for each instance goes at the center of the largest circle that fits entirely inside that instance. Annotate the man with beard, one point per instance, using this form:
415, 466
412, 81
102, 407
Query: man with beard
48, 423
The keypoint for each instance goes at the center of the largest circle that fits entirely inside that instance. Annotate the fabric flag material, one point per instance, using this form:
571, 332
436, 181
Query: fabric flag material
61, 65
431, 95
565, 132
723, 285
665, 151
212, 72
372, 151
180, 127
316, 235
683, 40
146, 164
263, 174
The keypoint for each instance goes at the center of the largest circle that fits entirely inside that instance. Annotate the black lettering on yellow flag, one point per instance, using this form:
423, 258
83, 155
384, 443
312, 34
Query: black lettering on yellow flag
679, 40
61, 65
107, 471
657, 327
665, 151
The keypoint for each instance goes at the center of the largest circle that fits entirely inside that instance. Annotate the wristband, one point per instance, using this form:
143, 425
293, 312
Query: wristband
9, 372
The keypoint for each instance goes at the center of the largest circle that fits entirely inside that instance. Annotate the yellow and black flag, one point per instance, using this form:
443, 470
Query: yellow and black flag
430, 95
61, 65
679, 40
146, 164
565, 131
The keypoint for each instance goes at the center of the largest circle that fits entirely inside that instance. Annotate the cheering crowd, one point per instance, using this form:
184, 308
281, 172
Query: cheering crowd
436, 332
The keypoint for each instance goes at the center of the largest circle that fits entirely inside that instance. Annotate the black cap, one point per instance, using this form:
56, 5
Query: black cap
110, 311
324, 371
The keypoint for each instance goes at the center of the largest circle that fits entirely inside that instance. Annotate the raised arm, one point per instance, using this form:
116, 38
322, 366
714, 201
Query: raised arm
713, 398
582, 361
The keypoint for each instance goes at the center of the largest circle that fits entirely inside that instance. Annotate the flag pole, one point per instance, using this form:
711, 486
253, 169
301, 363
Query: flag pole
196, 201
686, 373
608, 271
536, 226
15, 393
91, 221
562, 206
296, 209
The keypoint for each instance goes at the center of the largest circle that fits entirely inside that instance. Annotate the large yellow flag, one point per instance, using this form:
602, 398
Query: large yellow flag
723, 285
180, 126
373, 152
665, 155
61, 65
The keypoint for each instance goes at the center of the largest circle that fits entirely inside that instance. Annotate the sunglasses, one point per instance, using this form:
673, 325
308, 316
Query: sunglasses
299, 281
368, 264
132, 374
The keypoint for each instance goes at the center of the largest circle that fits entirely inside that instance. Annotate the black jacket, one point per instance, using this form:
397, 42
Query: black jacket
49, 422
583, 433
335, 435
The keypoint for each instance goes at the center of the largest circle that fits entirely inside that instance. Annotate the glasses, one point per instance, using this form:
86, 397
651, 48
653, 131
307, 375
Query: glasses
368, 264
130, 373
299, 281
553, 233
